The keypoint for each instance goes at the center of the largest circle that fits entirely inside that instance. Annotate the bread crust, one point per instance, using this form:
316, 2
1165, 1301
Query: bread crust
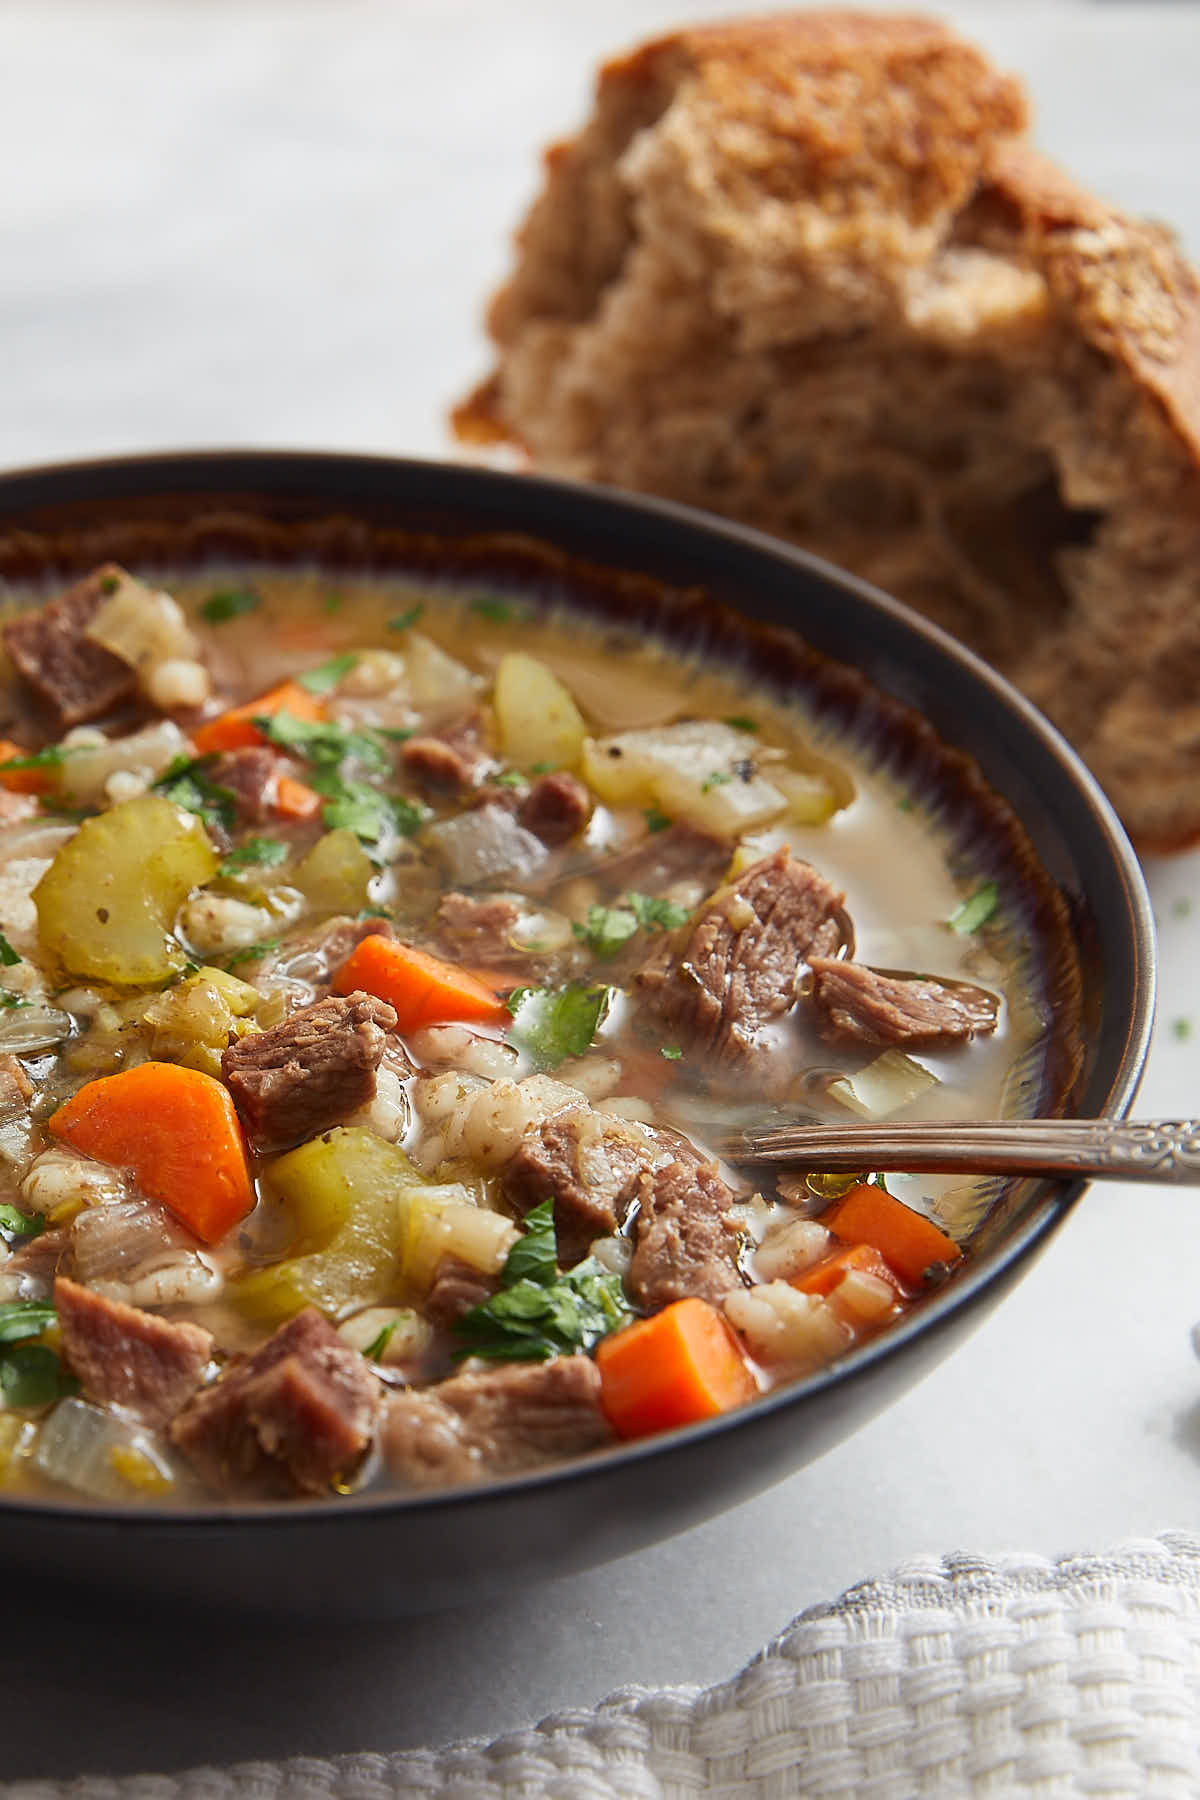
808, 270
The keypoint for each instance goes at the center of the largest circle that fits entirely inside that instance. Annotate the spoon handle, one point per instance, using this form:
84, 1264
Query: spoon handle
1165, 1150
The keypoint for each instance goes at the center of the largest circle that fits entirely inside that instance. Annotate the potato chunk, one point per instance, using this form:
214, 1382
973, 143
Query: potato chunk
700, 770
537, 719
107, 903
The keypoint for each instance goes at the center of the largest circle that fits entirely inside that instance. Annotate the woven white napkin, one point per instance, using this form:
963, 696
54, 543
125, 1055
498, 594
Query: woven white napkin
954, 1676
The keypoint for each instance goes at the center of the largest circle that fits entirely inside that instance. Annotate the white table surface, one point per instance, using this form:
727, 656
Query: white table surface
271, 224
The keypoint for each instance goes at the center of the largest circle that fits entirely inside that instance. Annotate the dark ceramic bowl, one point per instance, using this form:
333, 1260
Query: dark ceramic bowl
643, 563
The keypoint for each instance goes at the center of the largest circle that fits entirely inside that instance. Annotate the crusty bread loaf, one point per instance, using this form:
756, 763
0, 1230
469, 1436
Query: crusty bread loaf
806, 271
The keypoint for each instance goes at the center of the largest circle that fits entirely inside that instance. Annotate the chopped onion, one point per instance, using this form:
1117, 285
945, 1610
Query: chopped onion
32, 1026
101, 1454
886, 1085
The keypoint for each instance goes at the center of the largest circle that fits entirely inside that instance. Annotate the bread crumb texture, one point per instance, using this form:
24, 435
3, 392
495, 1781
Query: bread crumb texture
807, 271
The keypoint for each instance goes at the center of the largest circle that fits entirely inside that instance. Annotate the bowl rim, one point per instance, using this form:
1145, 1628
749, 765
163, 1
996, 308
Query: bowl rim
157, 472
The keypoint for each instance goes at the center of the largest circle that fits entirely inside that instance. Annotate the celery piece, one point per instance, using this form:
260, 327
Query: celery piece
108, 900
333, 876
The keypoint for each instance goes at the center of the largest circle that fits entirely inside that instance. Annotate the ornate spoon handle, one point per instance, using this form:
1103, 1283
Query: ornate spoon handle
1114, 1149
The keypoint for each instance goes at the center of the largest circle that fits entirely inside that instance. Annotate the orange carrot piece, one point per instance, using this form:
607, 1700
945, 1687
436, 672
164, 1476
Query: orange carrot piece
177, 1131
22, 781
678, 1366
831, 1271
295, 799
906, 1239
423, 989
233, 730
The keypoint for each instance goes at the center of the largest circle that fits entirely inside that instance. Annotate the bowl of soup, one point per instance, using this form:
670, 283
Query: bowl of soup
413, 879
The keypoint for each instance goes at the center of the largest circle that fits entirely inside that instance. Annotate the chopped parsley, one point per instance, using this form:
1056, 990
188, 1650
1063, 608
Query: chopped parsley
32, 1376
252, 953
715, 778
16, 1226
550, 1024
255, 853
186, 784
8, 956
672, 1052
25, 1319
325, 677
498, 612
1181, 1029
332, 601
403, 620
739, 722
49, 758
380, 1342
539, 1313
321, 742
229, 603
510, 778
655, 820
656, 915
11, 1000
607, 928
976, 910
365, 810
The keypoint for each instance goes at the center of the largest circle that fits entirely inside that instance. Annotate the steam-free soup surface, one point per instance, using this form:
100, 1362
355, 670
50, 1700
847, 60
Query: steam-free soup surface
382, 965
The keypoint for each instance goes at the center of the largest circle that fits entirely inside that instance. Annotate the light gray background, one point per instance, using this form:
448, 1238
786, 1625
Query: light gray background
274, 225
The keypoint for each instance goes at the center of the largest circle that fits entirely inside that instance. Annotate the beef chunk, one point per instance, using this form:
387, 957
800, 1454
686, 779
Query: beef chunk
74, 677
478, 927
450, 760
664, 858
250, 776
456, 1288
294, 1417
858, 1005
588, 1163
555, 808
736, 967
495, 1422
28, 1274
15, 1085
307, 1073
126, 1357
685, 1240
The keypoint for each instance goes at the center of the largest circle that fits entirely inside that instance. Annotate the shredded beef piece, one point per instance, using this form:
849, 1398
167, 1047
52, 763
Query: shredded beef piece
250, 775
589, 1164
478, 927
126, 1357
662, 859
73, 676
736, 967
555, 808
14, 1078
294, 1417
685, 1242
28, 1274
451, 759
456, 1288
858, 1005
310, 1071
495, 1421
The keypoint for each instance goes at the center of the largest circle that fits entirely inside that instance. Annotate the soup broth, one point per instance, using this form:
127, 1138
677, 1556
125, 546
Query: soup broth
384, 962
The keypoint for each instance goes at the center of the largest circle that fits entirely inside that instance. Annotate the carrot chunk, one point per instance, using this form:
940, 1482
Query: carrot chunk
295, 799
906, 1239
423, 989
22, 781
829, 1273
178, 1133
235, 729
680, 1365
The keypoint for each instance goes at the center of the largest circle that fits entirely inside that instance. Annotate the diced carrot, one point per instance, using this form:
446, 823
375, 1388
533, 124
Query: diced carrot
909, 1241
178, 1133
678, 1366
423, 989
22, 781
831, 1271
233, 730
295, 799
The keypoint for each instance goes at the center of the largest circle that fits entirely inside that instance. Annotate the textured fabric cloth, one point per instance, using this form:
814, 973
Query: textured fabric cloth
954, 1676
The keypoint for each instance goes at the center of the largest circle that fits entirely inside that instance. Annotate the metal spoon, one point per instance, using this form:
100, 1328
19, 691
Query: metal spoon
1165, 1150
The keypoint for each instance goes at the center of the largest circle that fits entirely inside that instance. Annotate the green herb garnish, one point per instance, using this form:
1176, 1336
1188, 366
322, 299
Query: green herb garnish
11, 1001
606, 929
255, 853
8, 956
550, 1024
252, 953
976, 910
229, 603
332, 601
24, 1319
380, 1342
539, 1313
656, 915
655, 820
321, 742
403, 620
325, 677
672, 1052
740, 722
497, 612
32, 1376
715, 778
49, 758
186, 784
1181, 1029
16, 1225
510, 778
